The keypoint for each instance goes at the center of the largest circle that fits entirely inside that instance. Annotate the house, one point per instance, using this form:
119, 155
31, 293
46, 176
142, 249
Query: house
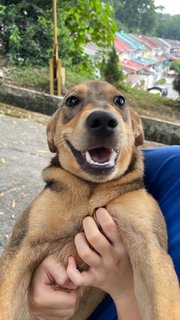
144, 60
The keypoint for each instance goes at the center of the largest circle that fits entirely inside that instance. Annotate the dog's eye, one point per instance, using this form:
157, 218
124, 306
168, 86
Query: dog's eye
119, 101
72, 101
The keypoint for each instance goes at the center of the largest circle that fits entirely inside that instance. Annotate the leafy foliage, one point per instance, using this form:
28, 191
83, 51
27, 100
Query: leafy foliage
136, 15
176, 83
25, 32
27, 29
168, 26
90, 19
175, 65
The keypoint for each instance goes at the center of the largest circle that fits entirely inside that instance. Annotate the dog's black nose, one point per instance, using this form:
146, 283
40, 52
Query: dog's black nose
101, 122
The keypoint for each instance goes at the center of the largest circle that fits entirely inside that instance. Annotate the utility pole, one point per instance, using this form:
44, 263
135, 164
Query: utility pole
55, 64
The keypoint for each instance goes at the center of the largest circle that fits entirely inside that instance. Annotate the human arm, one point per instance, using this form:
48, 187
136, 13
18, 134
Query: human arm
110, 268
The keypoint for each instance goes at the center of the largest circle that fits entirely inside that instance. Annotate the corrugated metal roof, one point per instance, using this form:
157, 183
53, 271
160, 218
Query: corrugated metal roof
147, 42
138, 45
133, 65
146, 61
128, 42
152, 41
121, 46
160, 43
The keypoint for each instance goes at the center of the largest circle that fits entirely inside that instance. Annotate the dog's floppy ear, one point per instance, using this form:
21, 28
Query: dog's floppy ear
51, 129
137, 127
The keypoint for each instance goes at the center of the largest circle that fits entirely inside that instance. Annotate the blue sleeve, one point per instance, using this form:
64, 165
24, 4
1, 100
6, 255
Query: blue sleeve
162, 180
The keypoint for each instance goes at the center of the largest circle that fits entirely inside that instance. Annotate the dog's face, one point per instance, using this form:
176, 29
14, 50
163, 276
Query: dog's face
94, 132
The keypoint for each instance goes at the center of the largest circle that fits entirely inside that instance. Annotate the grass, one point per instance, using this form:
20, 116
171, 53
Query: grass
29, 77
74, 77
154, 105
37, 78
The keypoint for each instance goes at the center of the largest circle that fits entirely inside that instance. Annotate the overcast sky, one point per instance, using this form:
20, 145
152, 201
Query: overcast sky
171, 6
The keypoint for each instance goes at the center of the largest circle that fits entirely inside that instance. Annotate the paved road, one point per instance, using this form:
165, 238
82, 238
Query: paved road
172, 94
23, 155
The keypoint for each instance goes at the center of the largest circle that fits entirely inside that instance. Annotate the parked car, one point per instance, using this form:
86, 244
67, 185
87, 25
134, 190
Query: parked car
158, 90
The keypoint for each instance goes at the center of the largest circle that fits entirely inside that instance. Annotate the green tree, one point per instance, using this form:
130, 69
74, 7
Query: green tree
175, 65
148, 21
90, 21
26, 29
168, 26
85, 22
176, 83
136, 15
111, 70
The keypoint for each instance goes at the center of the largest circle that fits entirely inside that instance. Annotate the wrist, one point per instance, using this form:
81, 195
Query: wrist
122, 295
126, 305
118, 293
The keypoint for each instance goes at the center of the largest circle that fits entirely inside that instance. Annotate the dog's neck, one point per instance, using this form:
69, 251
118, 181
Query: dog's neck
58, 179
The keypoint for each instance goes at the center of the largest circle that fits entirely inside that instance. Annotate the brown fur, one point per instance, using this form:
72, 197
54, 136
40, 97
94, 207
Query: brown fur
74, 191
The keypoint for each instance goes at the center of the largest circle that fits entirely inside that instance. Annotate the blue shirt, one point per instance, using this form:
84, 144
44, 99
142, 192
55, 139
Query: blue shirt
162, 180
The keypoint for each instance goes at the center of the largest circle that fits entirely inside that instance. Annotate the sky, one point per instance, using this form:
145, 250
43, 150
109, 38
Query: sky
171, 6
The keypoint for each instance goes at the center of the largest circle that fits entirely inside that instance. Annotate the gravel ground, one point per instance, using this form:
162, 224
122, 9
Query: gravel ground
23, 155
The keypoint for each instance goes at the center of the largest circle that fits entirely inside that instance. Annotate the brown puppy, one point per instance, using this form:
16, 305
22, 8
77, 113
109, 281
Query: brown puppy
94, 135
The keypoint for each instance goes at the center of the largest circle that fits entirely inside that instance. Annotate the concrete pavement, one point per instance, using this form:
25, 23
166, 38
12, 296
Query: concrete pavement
172, 94
23, 155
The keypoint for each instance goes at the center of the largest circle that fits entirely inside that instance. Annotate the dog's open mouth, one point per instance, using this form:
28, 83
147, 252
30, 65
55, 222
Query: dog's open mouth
98, 158
101, 157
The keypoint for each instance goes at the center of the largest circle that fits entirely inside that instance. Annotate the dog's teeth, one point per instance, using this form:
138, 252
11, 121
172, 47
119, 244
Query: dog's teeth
109, 163
113, 156
88, 158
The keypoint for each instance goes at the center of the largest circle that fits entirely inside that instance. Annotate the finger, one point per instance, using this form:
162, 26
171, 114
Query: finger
44, 296
108, 225
57, 273
54, 270
41, 291
87, 254
77, 277
95, 237
69, 285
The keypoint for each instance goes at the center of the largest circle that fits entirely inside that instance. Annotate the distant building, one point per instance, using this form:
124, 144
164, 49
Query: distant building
144, 60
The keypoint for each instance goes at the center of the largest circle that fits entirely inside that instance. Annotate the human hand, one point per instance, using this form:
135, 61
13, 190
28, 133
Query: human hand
47, 303
110, 268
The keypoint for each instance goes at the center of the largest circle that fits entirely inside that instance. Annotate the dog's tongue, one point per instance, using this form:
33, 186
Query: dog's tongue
101, 155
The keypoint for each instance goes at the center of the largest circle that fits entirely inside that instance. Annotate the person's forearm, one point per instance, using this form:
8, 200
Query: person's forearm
127, 307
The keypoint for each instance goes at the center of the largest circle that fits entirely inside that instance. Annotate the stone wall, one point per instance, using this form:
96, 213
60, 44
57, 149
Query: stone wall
155, 129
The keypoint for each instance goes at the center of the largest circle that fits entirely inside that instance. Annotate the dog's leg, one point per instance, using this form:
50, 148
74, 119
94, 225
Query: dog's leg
15, 275
155, 282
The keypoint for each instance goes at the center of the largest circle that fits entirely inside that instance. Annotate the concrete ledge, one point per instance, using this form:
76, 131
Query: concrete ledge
157, 130
29, 99
165, 132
